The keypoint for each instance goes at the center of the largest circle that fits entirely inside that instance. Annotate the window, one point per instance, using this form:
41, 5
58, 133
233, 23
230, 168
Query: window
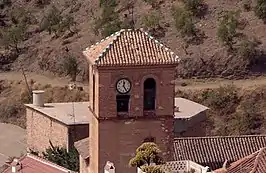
149, 139
149, 94
122, 102
93, 92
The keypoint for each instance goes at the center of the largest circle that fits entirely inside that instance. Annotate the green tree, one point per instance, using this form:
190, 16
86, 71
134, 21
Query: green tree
109, 21
67, 23
14, 35
62, 157
4, 3
21, 16
247, 49
151, 20
194, 6
260, 9
152, 169
153, 3
71, 66
147, 155
184, 22
248, 120
51, 22
227, 28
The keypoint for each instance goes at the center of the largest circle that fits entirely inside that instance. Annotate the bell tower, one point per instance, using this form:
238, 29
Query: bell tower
131, 97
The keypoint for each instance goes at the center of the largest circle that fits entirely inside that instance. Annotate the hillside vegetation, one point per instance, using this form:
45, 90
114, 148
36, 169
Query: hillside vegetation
214, 38
233, 111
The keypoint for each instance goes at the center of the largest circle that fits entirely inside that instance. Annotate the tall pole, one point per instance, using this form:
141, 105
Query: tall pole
25, 78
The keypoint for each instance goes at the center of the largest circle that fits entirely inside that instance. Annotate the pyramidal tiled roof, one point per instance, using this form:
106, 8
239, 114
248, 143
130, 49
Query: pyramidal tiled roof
213, 151
130, 47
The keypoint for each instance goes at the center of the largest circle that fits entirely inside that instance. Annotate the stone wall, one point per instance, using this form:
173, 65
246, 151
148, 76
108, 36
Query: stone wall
41, 129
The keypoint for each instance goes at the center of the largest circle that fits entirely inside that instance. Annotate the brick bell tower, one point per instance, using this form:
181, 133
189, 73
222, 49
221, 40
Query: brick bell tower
131, 98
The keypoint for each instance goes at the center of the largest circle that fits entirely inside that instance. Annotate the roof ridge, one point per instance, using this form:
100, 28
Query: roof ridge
116, 36
238, 162
47, 162
158, 42
216, 137
257, 159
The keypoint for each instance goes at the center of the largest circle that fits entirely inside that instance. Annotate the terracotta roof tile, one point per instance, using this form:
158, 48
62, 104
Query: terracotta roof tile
83, 147
130, 47
213, 151
33, 164
253, 163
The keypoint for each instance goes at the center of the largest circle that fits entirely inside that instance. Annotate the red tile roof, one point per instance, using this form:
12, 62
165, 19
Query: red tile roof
34, 164
130, 47
254, 163
213, 151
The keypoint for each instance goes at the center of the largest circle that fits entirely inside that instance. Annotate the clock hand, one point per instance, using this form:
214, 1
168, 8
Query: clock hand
124, 85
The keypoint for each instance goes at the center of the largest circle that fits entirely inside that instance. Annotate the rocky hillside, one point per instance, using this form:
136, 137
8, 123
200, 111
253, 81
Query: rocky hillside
215, 38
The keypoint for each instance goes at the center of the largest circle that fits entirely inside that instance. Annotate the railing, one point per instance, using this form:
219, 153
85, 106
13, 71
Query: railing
184, 166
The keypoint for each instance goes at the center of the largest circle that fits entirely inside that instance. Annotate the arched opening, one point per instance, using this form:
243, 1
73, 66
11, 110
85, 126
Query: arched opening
149, 94
149, 139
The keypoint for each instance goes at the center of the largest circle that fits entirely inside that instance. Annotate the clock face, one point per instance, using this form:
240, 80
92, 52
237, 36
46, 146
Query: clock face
123, 86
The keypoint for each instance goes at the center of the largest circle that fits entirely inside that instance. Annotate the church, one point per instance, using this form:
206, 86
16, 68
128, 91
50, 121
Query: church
131, 101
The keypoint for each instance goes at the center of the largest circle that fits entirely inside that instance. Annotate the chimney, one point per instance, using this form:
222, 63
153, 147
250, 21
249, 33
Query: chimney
15, 166
38, 98
109, 167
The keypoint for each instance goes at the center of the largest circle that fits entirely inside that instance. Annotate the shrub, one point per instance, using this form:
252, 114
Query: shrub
184, 22
13, 36
67, 23
197, 7
51, 22
248, 121
55, 23
227, 28
61, 157
151, 20
152, 169
247, 49
260, 9
247, 5
70, 66
42, 3
21, 16
153, 3
4, 3
224, 97
108, 3
111, 27
109, 21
